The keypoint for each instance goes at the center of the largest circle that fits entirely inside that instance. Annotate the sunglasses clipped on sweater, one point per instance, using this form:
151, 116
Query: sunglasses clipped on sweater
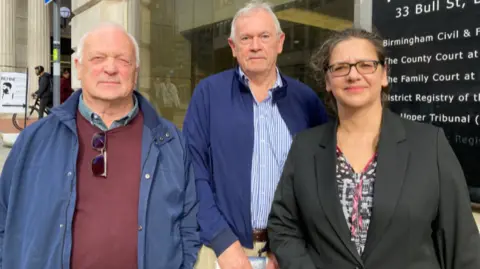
99, 162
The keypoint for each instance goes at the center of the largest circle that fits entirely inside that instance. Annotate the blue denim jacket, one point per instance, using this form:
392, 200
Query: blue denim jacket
38, 194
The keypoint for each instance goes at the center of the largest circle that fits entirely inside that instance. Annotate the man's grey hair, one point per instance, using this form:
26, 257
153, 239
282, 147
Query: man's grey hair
251, 6
81, 43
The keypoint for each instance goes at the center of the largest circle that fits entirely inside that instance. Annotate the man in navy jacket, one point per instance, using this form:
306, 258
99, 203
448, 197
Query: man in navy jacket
239, 127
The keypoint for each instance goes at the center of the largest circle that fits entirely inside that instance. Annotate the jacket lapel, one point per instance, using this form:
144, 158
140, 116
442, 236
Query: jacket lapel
325, 171
392, 159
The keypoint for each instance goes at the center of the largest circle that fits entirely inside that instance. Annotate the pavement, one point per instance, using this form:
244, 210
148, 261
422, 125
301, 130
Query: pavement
6, 125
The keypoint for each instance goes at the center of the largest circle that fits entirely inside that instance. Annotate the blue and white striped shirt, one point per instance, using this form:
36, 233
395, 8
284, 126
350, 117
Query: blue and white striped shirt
272, 141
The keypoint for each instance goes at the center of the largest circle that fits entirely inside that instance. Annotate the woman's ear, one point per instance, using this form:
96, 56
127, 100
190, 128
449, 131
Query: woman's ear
327, 84
385, 76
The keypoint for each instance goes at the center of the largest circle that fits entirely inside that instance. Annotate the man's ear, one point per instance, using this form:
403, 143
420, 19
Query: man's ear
281, 40
137, 69
232, 45
327, 84
78, 66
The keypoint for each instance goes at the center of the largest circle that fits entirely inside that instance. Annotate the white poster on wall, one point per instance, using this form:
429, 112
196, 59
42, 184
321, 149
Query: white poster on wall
13, 88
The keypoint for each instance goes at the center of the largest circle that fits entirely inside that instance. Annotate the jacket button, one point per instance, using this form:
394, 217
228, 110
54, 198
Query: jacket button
140, 227
161, 138
69, 174
167, 135
147, 176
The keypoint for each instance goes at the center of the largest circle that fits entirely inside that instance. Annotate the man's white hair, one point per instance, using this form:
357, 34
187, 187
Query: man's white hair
81, 43
251, 6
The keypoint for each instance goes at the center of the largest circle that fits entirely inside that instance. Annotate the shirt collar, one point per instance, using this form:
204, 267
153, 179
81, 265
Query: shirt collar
95, 119
245, 80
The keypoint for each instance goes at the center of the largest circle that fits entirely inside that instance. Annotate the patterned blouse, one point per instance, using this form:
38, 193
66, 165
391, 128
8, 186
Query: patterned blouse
355, 191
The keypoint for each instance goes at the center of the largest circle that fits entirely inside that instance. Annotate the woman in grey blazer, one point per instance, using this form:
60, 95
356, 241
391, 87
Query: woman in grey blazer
370, 189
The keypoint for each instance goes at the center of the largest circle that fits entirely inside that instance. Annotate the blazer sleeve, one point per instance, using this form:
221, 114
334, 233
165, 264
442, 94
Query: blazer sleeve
457, 236
286, 239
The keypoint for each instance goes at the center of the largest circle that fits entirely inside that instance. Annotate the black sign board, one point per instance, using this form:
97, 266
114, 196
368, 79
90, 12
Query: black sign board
434, 56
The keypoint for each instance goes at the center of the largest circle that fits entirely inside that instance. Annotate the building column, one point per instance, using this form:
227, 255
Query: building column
363, 14
8, 10
38, 42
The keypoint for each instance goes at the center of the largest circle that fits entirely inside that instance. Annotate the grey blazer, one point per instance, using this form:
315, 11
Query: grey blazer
421, 212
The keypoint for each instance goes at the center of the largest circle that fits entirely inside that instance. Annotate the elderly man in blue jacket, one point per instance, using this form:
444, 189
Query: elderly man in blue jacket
239, 127
64, 204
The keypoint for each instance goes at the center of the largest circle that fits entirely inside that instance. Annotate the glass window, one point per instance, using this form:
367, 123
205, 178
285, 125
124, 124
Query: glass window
184, 41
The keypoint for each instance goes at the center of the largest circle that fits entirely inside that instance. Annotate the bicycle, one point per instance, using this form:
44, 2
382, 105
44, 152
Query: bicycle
34, 108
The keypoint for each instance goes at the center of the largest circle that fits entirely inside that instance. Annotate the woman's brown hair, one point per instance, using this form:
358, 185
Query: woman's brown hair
321, 58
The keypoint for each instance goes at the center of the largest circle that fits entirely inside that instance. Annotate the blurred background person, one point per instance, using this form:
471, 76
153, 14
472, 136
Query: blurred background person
45, 90
65, 86
169, 95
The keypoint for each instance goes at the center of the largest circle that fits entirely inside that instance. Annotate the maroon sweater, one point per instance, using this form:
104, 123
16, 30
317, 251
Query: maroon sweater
105, 224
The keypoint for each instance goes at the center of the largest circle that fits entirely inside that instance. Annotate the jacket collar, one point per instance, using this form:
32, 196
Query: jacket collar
278, 93
95, 119
67, 113
245, 80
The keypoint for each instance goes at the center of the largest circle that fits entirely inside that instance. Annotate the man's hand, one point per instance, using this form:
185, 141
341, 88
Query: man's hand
272, 262
234, 258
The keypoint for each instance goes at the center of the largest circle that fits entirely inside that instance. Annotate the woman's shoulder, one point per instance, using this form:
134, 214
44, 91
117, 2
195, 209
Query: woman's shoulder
420, 135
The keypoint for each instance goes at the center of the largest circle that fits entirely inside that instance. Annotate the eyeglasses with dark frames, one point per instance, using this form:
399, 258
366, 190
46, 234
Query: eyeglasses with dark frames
99, 163
363, 67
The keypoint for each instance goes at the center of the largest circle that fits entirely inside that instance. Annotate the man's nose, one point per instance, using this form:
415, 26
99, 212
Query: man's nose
110, 66
354, 75
255, 46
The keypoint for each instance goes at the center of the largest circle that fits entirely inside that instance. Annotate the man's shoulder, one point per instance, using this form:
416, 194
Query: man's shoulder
47, 75
302, 93
167, 125
169, 129
40, 131
213, 85
227, 74
40, 124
